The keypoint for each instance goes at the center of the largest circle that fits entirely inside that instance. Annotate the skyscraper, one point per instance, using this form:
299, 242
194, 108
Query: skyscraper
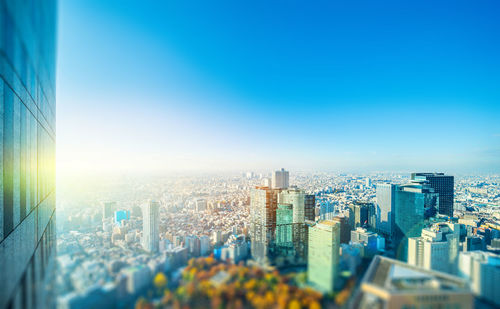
384, 209
27, 156
408, 218
444, 186
150, 233
263, 205
280, 179
323, 255
272, 228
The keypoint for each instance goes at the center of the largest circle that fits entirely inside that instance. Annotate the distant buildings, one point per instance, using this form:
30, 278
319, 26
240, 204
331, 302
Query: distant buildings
361, 214
323, 255
437, 248
121, 215
444, 186
150, 233
108, 209
371, 242
235, 249
390, 283
280, 179
482, 270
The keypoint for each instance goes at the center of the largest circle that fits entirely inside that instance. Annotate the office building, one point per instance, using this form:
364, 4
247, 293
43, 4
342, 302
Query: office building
280, 179
301, 204
263, 205
444, 186
371, 242
27, 156
345, 229
393, 284
323, 255
279, 233
385, 208
284, 230
437, 248
361, 214
482, 270
150, 220
408, 219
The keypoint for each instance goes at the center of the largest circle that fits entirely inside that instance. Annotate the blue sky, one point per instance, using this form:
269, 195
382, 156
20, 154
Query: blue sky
235, 85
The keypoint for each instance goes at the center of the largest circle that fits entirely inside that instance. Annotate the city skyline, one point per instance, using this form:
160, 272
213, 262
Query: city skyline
196, 87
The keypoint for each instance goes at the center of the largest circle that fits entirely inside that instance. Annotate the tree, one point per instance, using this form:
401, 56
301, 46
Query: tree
160, 281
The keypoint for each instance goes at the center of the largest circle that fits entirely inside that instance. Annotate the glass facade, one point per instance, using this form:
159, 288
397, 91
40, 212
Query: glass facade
385, 208
27, 157
443, 185
323, 256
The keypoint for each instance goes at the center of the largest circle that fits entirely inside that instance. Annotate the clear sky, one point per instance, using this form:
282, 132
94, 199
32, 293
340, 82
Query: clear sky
235, 85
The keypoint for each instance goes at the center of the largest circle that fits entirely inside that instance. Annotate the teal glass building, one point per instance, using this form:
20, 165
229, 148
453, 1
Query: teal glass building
27, 155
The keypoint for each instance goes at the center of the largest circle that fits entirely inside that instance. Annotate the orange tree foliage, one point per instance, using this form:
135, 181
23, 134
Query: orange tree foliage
239, 287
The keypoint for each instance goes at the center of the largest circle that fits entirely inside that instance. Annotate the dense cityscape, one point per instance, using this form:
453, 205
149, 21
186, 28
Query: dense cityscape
327, 233
249, 154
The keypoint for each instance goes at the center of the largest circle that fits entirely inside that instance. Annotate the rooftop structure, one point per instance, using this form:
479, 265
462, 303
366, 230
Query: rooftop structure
389, 283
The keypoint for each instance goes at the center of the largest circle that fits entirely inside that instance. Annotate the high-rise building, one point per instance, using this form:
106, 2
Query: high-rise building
393, 284
399, 214
408, 219
280, 179
385, 208
361, 214
444, 186
431, 197
108, 209
150, 220
279, 233
437, 248
27, 156
263, 205
284, 229
323, 255
482, 270
301, 211
345, 229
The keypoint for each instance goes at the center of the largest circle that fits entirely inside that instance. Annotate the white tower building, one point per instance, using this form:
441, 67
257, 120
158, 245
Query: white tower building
150, 220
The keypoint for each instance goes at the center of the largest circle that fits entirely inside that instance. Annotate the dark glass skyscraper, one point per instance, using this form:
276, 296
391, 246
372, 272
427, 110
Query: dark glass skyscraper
444, 186
27, 155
